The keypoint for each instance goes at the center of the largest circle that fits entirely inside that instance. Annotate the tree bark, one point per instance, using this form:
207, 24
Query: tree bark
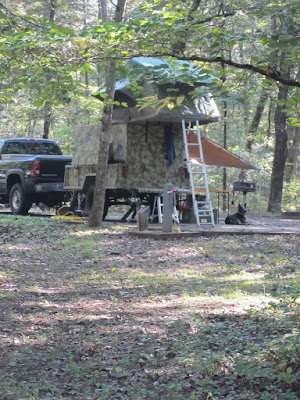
53, 4
47, 109
291, 170
296, 154
225, 147
47, 121
179, 47
95, 218
274, 75
280, 153
256, 118
103, 10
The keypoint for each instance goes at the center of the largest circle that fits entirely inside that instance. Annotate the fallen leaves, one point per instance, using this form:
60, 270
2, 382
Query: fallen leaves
97, 315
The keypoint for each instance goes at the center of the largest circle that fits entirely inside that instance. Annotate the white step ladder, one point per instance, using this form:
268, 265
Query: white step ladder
198, 175
157, 211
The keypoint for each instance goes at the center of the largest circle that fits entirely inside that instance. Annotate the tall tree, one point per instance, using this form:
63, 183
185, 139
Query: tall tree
95, 218
47, 106
102, 6
293, 154
257, 118
281, 139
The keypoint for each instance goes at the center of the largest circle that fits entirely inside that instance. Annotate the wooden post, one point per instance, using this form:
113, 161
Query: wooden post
143, 218
167, 207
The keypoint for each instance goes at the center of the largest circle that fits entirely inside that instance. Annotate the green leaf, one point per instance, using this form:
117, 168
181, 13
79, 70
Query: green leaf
38, 102
179, 100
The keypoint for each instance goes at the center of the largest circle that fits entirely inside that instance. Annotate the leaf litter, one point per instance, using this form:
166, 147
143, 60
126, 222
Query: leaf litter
96, 314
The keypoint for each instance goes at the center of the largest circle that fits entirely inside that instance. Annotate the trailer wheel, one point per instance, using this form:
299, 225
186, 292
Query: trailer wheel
18, 202
89, 199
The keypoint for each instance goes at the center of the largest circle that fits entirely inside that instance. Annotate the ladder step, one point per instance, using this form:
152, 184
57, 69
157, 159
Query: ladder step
204, 215
191, 129
203, 209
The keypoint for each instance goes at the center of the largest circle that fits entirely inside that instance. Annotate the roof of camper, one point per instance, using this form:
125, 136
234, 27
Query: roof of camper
164, 78
167, 69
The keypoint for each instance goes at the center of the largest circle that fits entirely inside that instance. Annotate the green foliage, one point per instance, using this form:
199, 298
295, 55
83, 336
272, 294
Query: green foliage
291, 195
45, 65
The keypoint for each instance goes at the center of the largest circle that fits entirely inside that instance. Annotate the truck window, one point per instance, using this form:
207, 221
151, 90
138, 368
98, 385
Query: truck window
15, 148
43, 148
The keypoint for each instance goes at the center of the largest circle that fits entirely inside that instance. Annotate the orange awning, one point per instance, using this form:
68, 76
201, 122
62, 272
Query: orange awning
214, 154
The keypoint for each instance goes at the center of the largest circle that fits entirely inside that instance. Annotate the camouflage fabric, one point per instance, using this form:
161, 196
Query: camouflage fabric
138, 147
75, 177
147, 165
85, 150
86, 142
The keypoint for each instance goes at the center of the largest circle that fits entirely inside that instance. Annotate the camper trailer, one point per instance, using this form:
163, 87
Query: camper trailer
147, 146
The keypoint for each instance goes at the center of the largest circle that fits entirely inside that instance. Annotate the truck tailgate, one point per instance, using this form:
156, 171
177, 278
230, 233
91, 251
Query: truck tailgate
53, 166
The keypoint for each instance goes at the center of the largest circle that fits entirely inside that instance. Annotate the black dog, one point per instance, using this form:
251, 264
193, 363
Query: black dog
238, 218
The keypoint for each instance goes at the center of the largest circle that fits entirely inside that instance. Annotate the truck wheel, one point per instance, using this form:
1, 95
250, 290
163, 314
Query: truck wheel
89, 198
18, 202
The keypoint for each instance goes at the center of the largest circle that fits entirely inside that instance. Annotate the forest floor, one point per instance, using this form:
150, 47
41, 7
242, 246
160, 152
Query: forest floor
100, 314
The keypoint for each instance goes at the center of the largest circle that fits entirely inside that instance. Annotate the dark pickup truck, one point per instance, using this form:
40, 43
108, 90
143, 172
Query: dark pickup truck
31, 171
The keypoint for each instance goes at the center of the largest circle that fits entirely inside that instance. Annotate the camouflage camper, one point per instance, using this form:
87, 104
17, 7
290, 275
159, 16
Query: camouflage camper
146, 149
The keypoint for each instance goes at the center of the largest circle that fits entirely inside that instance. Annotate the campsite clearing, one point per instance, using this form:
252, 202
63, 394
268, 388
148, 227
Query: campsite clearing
97, 314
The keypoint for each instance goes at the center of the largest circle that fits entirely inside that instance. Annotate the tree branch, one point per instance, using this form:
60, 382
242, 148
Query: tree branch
12, 15
179, 47
276, 76
209, 19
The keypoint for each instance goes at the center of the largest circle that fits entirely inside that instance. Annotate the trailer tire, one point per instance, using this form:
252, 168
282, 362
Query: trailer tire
89, 199
18, 201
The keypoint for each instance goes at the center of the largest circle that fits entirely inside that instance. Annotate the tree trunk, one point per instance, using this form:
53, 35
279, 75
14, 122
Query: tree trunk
47, 121
179, 46
296, 154
257, 118
47, 109
280, 153
270, 112
95, 218
86, 74
225, 146
52, 10
291, 171
102, 7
